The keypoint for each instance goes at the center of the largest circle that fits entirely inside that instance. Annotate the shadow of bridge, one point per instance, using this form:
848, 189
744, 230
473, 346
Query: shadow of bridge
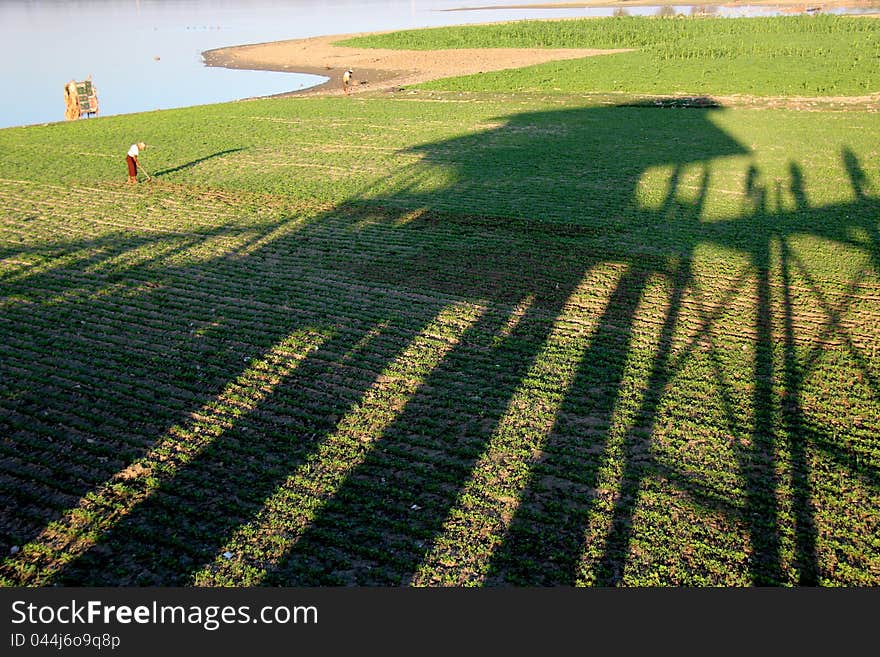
334, 397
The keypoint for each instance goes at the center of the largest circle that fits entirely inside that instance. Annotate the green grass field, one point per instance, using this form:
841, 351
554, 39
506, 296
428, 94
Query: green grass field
440, 338
823, 55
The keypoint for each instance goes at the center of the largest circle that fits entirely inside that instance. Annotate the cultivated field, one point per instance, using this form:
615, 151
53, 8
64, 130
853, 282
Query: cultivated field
444, 338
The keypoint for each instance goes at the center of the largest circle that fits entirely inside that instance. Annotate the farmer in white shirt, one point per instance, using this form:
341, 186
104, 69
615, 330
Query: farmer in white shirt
132, 160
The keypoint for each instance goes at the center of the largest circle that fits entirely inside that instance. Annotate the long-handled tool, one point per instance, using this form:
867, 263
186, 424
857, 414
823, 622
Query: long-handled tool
149, 177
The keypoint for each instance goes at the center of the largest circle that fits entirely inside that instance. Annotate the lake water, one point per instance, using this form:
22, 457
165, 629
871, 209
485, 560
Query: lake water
146, 54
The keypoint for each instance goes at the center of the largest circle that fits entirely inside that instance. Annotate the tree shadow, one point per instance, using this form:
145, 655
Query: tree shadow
390, 342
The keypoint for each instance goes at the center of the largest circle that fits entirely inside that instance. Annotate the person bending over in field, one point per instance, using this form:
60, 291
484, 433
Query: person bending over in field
132, 160
346, 80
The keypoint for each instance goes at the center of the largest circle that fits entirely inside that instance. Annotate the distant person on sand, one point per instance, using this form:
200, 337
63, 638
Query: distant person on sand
346, 80
132, 160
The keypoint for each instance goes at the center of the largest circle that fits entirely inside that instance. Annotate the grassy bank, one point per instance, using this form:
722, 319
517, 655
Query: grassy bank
822, 55
437, 338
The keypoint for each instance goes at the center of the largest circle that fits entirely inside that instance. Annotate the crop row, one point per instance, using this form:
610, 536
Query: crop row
316, 402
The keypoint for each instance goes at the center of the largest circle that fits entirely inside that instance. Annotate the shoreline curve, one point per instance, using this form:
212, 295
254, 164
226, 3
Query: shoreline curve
379, 69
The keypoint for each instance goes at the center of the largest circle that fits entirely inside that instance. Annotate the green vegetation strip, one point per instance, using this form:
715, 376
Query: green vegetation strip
822, 55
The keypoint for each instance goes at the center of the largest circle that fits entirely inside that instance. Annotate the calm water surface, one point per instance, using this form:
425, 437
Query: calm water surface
146, 54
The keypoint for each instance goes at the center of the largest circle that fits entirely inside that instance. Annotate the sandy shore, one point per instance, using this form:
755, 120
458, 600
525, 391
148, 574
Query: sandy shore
379, 69
384, 70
